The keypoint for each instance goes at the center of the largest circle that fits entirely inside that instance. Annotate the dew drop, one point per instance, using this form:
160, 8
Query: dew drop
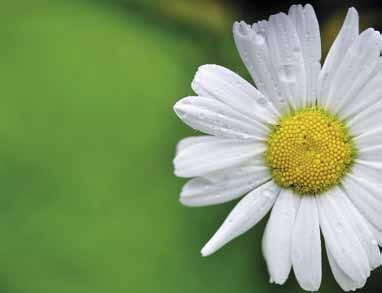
287, 74
183, 115
262, 101
296, 255
286, 215
296, 49
202, 116
259, 39
245, 136
325, 78
339, 227
268, 194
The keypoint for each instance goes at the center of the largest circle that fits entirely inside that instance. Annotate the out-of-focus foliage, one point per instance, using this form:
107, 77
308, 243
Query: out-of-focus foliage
213, 14
88, 199
89, 202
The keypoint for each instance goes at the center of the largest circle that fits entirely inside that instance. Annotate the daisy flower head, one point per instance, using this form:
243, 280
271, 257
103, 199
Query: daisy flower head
305, 144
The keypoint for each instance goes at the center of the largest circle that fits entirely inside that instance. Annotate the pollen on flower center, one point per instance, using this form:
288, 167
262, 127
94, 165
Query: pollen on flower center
309, 151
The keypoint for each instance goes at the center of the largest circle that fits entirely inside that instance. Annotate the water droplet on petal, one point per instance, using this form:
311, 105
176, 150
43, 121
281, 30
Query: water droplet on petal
268, 194
296, 255
296, 49
259, 39
262, 101
287, 74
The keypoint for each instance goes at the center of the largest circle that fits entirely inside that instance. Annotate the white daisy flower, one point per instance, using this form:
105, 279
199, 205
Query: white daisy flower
306, 143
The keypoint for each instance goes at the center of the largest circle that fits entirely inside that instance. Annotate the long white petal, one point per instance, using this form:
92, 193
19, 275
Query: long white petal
247, 213
340, 238
367, 120
253, 49
198, 156
372, 170
377, 233
371, 154
213, 117
345, 282
361, 228
184, 143
277, 237
272, 52
306, 245
367, 97
287, 58
308, 31
217, 82
356, 68
366, 197
337, 52
223, 186
373, 187
369, 138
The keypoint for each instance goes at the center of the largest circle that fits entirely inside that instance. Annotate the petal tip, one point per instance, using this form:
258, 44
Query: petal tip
352, 12
176, 172
308, 6
310, 287
186, 201
241, 28
206, 251
177, 106
278, 280
181, 106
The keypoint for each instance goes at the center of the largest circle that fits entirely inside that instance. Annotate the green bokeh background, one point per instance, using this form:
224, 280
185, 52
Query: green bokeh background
88, 200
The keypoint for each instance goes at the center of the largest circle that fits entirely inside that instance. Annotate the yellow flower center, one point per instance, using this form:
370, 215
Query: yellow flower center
309, 151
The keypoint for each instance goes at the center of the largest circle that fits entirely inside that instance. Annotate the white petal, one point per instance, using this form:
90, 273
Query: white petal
355, 70
223, 186
371, 154
273, 55
184, 143
367, 183
306, 245
277, 236
367, 120
287, 58
337, 52
199, 156
253, 49
364, 192
368, 96
345, 282
362, 230
369, 138
366, 197
340, 238
308, 31
367, 169
377, 233
217, 82
247, 213
213, 117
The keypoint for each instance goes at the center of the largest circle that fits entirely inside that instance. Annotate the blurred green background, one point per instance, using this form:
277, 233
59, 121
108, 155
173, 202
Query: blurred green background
88, 200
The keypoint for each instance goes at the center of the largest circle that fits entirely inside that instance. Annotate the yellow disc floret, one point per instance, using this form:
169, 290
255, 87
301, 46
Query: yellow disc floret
309, 151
